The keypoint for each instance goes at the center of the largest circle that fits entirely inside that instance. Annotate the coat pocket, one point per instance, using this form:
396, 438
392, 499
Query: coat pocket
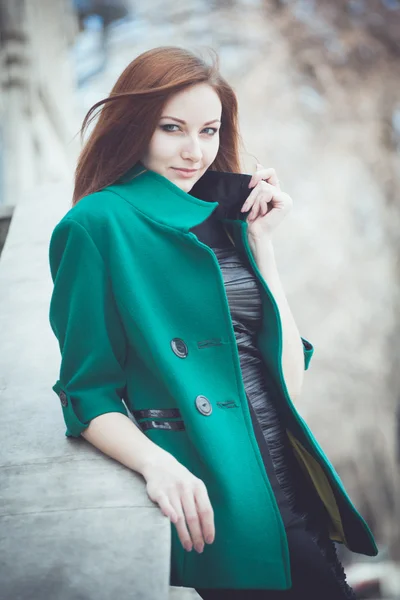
167, 419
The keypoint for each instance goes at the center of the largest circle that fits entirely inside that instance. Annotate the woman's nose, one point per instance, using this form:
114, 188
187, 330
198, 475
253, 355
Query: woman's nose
192, 150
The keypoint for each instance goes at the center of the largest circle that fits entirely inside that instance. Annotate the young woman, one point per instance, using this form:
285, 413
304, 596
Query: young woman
167, 302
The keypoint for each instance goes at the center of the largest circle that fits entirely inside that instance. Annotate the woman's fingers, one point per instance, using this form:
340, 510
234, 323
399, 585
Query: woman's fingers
166, 508
181, 527
255, 207
258, 200
254, 211
192, 520
264, 208
262, 174
184, 499
195, 517
250, 200
205, 512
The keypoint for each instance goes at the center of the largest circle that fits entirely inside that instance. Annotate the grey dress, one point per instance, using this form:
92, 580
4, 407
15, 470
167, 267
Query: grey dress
303, 514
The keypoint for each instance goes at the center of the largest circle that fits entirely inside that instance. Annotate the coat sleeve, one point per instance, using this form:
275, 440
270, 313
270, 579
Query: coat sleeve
308, 352
85, 320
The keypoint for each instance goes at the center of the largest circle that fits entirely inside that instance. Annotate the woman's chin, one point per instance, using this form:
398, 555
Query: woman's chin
186, 186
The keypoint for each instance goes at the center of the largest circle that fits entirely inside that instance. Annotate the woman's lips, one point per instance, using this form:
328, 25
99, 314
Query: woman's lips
186, 173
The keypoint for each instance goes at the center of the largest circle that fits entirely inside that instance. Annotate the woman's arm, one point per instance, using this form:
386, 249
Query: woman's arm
181, 496
268, 206
93, 344
117, 436
292, 345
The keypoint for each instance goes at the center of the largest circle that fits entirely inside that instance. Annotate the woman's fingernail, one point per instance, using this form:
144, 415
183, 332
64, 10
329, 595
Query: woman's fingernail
199, 548
209, 539
188, 547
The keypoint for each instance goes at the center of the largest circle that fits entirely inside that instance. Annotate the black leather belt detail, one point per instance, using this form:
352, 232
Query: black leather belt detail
166, 425
158, 413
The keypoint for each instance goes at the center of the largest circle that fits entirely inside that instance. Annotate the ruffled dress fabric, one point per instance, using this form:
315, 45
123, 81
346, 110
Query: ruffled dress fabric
304, 516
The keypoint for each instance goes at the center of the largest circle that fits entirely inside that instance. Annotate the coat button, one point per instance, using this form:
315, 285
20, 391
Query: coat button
203, 405
179, 347
63, 399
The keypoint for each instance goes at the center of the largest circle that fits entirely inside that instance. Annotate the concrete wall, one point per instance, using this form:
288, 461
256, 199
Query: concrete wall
5, 219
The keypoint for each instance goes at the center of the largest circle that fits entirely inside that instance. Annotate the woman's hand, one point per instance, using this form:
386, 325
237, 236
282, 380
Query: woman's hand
184, 499
268, 204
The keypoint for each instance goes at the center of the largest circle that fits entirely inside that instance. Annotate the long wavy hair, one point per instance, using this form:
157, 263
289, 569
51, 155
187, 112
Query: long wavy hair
128, 117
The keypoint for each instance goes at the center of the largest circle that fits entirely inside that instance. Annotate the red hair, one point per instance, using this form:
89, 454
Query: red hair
130, 115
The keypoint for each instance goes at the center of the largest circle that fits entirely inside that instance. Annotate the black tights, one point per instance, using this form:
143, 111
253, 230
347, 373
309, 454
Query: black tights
312, 577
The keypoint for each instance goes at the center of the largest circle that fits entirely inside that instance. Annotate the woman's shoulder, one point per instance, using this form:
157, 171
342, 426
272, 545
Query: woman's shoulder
98, 206
98, 213
90, 226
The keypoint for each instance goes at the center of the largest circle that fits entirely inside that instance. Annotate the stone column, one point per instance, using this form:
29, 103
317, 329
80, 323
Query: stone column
37, 114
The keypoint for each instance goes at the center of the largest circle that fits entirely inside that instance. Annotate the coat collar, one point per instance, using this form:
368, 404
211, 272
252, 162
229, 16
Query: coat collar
164, 202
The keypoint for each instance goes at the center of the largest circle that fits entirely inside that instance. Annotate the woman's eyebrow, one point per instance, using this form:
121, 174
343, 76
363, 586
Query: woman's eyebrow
184, 122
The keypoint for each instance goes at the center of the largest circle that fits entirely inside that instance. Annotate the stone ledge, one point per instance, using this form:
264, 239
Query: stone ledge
94, 554
74, 524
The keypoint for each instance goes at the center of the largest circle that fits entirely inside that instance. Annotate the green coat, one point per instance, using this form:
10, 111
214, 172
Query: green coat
141, 315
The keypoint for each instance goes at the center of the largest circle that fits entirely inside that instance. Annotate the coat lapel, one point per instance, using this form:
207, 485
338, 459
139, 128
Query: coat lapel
164, 202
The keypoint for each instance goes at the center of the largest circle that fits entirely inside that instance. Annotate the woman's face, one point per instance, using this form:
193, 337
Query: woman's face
186, 140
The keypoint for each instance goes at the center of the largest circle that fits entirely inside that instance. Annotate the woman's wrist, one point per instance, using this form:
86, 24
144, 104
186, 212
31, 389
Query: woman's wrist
261, 246
153, 460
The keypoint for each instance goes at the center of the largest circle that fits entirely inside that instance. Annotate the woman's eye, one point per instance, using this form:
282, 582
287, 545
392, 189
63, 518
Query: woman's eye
210, 130
172, 127
169, 127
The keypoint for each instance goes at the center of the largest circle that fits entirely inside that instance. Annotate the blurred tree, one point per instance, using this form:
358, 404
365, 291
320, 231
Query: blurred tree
348, 51
108, 10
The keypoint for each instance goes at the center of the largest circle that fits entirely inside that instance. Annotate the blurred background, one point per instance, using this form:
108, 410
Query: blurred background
318, 84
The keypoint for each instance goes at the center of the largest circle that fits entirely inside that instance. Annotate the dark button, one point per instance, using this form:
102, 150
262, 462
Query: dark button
203, 405
63, 399
179, 347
